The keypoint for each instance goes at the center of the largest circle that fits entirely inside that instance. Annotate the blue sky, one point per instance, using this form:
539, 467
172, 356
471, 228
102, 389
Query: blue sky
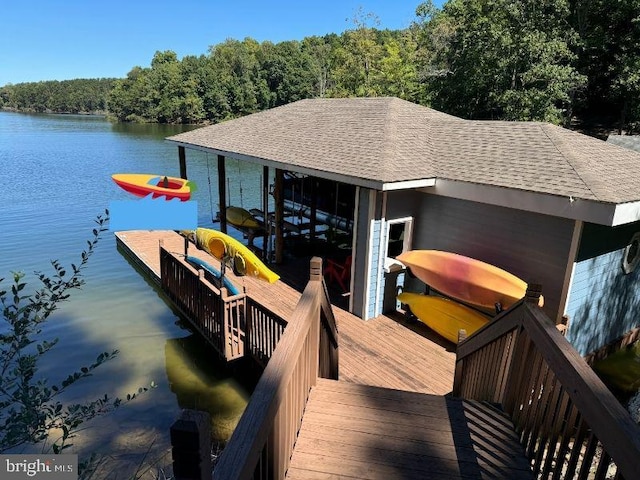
66, 39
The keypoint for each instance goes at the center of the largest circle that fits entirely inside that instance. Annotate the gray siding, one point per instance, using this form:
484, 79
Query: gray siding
604, 303
532, 246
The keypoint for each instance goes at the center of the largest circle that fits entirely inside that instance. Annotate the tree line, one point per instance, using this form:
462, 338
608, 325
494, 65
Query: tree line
546, 60
67, 96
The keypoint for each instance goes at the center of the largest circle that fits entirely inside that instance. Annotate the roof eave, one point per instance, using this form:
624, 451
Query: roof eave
354, 180
592, 211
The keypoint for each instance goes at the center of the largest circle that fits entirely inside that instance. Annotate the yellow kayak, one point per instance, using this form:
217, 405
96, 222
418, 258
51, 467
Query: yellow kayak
224, 247
444, 316
241, 218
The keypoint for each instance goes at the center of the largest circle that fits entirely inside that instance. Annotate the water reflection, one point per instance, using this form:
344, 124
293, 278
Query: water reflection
201, 382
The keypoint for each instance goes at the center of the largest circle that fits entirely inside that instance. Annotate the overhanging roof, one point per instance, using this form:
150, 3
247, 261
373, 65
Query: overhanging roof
388, 143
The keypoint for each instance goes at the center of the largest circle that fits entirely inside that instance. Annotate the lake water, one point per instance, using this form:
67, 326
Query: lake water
56, 177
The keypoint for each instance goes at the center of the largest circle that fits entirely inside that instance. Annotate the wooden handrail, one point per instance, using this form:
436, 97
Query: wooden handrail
556, 401
263, 440
607, 418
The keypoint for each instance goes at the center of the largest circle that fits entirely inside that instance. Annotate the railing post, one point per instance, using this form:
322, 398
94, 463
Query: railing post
315, 269
534, 290
191, 442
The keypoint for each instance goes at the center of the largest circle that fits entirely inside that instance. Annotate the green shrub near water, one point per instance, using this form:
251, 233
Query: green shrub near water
31, 411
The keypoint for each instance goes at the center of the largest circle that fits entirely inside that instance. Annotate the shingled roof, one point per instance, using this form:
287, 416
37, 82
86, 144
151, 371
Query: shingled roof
382, 141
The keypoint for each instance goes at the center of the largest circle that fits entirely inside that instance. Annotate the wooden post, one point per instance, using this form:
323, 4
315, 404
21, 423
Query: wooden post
191, 442
222, 190
315, 267
183, 162
265, 210
312, 220
279, 198
462, 335
534, 290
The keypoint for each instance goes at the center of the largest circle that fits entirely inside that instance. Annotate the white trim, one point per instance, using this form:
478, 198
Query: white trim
409, 184
354, 243
626, 213
565, 293
391, 264
555, 205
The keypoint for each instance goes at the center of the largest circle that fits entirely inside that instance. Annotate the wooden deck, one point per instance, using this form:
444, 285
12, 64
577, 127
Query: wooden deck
354, 431
381, 352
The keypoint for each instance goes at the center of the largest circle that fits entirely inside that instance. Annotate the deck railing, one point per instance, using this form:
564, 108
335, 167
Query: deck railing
569, 423
264, 330
219, 318
262, 443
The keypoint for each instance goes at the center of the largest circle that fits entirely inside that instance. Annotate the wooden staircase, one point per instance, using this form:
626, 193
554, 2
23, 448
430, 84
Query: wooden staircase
357, 431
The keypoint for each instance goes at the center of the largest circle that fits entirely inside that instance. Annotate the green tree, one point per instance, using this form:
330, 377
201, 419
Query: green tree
609, 55
242, 88
357, 59
509, 59
288, 71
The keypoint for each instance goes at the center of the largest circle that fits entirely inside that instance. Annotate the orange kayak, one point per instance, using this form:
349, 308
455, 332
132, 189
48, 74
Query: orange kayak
143, 184
465, 279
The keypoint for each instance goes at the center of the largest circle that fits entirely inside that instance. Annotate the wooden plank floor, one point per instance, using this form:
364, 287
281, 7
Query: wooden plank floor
356, 431
381, 352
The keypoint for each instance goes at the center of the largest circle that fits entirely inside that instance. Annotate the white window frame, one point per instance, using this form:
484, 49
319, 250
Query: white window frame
391, 264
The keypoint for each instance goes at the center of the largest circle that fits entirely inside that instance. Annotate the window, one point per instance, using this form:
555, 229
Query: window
398, 240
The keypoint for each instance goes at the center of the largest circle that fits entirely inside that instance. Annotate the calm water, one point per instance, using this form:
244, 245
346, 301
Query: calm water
56, 178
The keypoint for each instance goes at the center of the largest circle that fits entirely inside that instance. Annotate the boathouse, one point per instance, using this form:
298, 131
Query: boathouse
552, 206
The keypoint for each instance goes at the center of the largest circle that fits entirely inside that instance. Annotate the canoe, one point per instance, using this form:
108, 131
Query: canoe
241, 218
197, 263
466, 279
143, 184
224, 248
444, 316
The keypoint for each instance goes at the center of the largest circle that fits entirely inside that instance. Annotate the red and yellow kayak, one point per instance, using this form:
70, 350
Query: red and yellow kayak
466, 279
143, 184
444, 316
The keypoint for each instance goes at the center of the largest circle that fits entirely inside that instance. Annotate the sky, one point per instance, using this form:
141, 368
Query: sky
67, 39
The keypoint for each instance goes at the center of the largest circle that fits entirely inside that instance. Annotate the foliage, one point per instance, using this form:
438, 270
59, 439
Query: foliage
31, 409
609, 55
498, 59
68, 96
508, 59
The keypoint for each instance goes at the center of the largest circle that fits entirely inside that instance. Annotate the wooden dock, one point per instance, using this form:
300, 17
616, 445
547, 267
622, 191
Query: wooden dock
381, 352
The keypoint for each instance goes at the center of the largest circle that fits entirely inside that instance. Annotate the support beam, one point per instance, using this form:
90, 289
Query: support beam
182, 156
265, 210
312, 220
183, 162
222, 190
279, 215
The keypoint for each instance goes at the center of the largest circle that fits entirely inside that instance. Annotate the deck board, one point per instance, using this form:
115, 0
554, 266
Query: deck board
356, 431
382, 352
